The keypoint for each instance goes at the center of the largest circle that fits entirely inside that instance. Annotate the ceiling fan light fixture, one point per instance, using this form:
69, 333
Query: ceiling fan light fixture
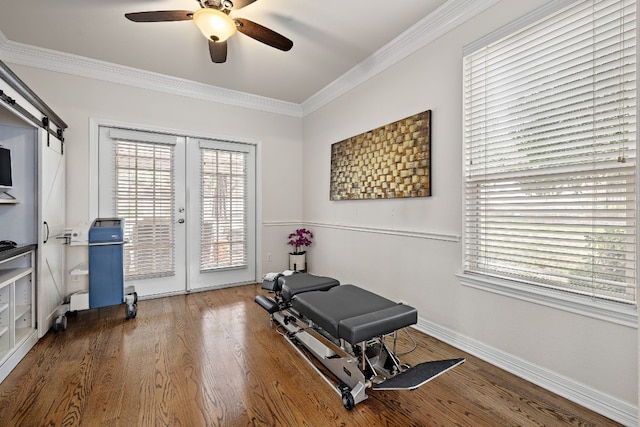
214, 24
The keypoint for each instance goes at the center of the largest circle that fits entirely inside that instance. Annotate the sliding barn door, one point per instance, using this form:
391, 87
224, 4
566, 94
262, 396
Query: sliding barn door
51, 249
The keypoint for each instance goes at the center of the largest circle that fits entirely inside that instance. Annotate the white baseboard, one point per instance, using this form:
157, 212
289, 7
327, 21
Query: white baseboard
588, 397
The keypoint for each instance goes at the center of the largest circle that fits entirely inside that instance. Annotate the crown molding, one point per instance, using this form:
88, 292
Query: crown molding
32, 56
444, 19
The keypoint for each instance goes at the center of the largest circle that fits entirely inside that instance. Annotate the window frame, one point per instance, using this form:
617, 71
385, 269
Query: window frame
616, 312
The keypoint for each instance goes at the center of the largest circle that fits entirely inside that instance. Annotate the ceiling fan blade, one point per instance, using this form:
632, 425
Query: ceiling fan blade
218, 51
263, 34
160, 16
239, 4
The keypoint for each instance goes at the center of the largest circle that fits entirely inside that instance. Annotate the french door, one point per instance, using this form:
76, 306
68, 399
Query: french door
189, 208
222, 224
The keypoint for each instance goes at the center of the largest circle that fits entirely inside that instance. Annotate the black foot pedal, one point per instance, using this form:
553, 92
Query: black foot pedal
418, 375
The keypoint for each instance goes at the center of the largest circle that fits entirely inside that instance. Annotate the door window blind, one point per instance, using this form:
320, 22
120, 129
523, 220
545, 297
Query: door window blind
144, 196
550, 153
223, 209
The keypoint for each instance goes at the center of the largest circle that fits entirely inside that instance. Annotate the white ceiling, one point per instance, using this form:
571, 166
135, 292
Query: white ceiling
330, 38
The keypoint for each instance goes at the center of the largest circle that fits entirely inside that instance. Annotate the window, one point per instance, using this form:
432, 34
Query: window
223, 206
550, 153
144, 195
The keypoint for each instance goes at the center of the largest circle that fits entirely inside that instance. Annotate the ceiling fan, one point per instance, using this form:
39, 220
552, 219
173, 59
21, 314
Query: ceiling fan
213, 20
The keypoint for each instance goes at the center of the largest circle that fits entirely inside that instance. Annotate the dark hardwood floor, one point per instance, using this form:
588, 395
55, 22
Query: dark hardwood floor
213, 359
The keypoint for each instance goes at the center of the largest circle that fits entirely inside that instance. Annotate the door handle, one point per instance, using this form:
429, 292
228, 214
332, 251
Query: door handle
46, 239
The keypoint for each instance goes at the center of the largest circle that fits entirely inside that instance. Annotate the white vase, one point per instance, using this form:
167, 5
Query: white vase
298, 262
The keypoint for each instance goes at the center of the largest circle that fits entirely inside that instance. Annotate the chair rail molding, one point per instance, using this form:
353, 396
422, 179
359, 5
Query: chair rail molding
428, 235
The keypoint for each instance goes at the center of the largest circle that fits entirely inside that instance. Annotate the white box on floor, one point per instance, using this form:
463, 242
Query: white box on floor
79, 301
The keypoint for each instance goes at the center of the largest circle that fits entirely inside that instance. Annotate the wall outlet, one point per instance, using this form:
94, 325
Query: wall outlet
269, 258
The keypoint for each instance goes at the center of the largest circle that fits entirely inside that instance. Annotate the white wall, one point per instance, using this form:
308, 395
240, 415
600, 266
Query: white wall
76, 100
363, 242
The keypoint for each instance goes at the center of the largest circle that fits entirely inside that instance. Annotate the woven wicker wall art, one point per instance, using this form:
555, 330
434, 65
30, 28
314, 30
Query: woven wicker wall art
391, 161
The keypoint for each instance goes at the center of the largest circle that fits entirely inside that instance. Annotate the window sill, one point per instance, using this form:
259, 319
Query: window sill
619, 313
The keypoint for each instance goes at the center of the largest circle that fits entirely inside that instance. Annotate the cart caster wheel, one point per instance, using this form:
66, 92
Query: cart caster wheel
131, 311
60, 324
347, 400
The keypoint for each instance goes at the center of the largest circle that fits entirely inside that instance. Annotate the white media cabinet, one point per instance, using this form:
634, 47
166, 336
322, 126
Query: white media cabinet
18, 331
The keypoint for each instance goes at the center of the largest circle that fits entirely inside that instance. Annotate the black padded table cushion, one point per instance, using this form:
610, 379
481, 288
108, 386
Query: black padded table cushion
304, 282
354, 314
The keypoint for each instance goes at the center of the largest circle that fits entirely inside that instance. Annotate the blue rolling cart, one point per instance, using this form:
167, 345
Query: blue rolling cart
106, 273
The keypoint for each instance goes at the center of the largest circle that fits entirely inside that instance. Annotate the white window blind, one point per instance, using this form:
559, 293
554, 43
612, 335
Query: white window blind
550, 153
144, 196
224, 209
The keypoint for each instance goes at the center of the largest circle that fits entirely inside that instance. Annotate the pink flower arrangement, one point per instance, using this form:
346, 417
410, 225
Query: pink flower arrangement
299, 239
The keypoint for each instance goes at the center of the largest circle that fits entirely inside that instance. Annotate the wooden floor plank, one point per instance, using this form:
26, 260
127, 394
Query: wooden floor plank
214, 359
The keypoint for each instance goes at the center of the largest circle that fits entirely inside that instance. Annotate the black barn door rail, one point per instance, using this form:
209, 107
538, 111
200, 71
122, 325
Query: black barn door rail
48, 116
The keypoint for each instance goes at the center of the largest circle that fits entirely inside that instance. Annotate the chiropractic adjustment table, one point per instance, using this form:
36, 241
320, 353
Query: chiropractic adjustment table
344, 327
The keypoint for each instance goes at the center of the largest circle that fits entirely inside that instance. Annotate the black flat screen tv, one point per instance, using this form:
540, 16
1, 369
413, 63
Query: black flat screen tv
6, 181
